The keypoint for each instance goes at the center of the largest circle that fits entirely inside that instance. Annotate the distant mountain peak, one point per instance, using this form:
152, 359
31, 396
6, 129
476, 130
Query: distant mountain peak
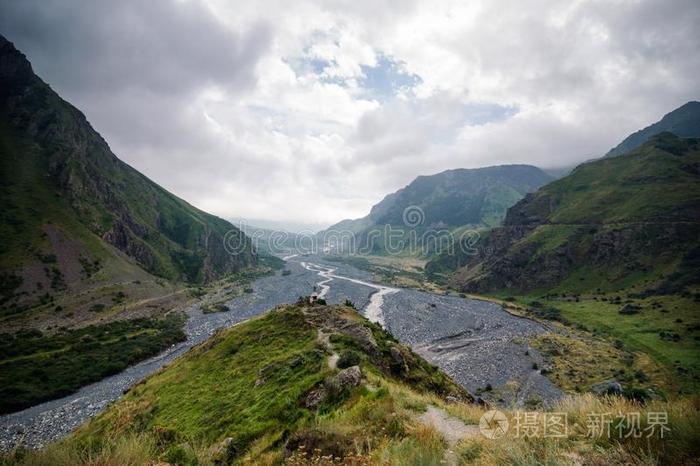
453, 198
684, 122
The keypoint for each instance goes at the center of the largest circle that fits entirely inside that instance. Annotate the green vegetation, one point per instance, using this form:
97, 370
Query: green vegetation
36, 367
244, 397
395, 271
621, 223
646, 332
438, 204
67, 202
602, 340
214, 308
270, 261
244, 393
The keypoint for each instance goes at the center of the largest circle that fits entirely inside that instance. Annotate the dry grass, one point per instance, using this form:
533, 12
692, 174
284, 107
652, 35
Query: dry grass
131, 450
381, 429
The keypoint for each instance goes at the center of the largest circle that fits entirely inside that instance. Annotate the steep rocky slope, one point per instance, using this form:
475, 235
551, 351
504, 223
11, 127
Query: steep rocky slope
618, 222
75, 217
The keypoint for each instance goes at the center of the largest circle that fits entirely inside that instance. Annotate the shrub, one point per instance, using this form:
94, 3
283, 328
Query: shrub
97, 307
629, 309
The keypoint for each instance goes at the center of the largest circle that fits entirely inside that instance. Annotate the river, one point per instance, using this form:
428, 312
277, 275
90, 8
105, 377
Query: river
476, 342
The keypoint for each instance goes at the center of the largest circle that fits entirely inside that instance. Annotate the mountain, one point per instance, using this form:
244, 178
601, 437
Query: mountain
617, 222
76, 218
454, 198
273, 241
684, 122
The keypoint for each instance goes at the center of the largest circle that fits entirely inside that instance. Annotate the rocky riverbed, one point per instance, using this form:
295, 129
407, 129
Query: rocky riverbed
476, 342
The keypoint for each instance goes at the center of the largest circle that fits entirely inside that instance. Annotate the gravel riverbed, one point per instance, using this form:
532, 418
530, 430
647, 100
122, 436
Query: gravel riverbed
476, 342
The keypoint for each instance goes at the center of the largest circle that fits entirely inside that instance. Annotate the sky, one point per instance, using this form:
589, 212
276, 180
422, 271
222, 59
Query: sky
304, 113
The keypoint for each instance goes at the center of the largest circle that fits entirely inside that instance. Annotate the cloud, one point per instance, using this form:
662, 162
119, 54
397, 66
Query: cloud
313, 111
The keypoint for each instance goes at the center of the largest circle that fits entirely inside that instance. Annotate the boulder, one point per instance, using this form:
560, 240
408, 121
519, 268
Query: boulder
398, 360
607, 387
350, 377
224, 452
363, 336
629, 309
315, 397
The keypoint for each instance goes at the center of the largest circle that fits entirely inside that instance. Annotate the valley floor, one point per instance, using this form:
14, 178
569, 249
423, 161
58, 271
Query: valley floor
454, 333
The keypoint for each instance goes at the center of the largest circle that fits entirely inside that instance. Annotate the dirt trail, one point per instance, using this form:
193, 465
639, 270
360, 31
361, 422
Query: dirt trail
451, 428
324, 339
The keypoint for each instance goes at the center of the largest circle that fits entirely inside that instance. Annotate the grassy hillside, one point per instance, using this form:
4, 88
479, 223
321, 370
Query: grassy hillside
268, 384
628, 222
75, 217
684, 122
317, 385
36, 367
612, 248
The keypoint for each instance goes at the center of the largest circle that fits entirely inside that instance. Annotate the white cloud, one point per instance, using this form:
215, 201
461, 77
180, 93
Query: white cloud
258, 110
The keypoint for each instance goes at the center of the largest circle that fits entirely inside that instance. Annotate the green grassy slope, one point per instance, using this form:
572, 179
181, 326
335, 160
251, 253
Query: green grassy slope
243, 397
628, 222
251, 384
55, 169
36, 368
619, 231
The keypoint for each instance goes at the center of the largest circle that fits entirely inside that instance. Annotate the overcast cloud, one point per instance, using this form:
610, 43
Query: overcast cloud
311, 112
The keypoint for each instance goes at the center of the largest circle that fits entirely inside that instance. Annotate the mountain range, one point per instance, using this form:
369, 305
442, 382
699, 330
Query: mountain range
629, 221
475, 198
88, 240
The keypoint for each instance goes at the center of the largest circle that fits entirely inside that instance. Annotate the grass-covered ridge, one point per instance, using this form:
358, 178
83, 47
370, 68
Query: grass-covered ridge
279, 389
251, 384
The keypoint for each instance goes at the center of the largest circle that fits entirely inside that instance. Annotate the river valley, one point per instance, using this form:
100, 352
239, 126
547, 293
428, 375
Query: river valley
476, 342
